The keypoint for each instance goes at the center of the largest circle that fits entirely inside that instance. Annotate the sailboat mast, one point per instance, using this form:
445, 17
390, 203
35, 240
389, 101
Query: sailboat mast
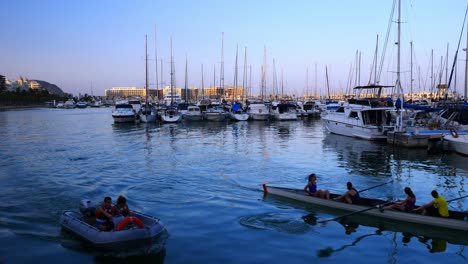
398, 84
221, 79
146, 66
244, 79
186, 79
172, 76
466, 65
235, 75
411, 70
156, 60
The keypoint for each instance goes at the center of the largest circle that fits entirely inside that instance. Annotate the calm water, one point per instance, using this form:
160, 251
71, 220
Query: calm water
202, 180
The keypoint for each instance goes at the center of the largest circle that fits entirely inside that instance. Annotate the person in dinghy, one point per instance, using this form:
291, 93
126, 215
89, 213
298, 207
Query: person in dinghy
311, 188
104, 215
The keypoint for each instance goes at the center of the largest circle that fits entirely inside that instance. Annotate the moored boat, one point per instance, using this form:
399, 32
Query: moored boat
370, 207
82, 225
123, 112
458, 143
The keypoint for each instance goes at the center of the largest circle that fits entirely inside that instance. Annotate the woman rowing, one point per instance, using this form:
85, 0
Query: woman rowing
406, 205
311, 188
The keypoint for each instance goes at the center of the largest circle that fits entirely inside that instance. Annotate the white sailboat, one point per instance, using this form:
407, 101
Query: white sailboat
237, 113
147, 113
216, 112
259, 110
171, 114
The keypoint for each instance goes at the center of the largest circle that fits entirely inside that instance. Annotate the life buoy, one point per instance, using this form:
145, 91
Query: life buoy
454, 132
129, 220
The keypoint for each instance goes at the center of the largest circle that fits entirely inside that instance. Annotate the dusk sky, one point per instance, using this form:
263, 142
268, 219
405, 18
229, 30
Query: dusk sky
77, 44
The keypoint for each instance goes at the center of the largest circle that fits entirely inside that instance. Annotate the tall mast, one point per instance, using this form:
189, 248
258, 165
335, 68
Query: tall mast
221, 79
250, 81
156, 59
411, 70
202, 80
235, 75
316, 79
264, 74
146, 66
307, 82
186, 79
398, 84
172, 76
466, 65
244, 79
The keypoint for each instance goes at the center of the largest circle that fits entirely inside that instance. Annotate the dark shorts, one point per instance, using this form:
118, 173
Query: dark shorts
432, 211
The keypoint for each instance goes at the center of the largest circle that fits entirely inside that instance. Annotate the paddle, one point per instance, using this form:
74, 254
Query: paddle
459, 198
356, 212
375, 186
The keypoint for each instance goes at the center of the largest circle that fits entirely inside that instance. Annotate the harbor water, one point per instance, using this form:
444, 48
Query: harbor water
203, 180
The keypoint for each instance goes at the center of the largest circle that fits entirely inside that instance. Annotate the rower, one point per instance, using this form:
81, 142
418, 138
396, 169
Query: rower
351, 196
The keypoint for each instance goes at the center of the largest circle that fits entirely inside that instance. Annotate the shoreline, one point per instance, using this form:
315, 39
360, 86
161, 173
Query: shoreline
9, 107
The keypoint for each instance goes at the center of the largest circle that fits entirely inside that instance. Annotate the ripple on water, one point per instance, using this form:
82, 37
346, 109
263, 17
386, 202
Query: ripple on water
275, 221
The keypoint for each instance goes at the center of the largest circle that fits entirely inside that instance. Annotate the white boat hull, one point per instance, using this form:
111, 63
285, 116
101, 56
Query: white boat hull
170, 118
148, 118
214, 116
239, 117
458, 144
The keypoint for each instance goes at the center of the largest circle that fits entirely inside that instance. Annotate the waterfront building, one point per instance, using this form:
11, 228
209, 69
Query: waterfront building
125, 92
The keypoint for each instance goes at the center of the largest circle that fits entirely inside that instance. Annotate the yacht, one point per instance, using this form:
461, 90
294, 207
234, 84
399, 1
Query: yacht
136, 104
123, 112
258, 111
215, 113
284, 111
237, 113
312, 108
366, 118
171, 115
171, 98
70, 104
193, 113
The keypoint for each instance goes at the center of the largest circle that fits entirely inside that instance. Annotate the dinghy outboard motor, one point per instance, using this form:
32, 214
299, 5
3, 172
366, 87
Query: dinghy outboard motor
87, 208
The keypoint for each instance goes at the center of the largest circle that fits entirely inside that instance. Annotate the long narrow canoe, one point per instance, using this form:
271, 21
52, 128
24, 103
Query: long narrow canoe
458, 220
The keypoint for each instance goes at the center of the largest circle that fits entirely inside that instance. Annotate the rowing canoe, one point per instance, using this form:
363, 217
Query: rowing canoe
458, 221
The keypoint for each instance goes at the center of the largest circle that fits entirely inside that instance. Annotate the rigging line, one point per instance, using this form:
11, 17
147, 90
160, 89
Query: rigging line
384, 50
456, 54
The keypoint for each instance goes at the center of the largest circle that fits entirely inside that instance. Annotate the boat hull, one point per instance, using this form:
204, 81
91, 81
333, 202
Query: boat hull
459, 144
124, 118
413, 218
114, 240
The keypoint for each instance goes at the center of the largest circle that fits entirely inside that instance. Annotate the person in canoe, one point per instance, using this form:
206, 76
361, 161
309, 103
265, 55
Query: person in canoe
104, 215
351, 196
437, 207
406, 205
311, 188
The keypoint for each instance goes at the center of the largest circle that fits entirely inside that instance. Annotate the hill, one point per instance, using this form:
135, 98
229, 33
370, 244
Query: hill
51, 88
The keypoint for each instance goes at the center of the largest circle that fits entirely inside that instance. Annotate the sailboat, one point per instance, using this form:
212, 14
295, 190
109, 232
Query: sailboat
171, 114
259, 110
147, 113
368, 115
194, 112
215, 111
237, 113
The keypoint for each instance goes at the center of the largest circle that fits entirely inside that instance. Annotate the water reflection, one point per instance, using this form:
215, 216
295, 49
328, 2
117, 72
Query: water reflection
434, 246
359, 156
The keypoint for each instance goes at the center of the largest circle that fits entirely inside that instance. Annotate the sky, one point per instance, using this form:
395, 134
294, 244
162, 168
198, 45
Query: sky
87, 46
